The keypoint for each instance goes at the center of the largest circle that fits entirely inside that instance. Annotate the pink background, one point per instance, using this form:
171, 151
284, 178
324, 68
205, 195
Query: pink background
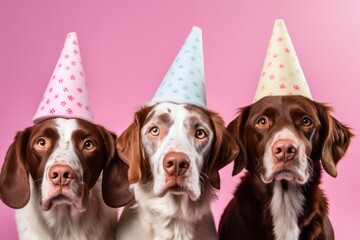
128, 46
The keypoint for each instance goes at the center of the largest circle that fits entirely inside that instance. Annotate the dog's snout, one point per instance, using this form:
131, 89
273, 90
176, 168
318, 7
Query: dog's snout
61, 174
176, 164
284, 150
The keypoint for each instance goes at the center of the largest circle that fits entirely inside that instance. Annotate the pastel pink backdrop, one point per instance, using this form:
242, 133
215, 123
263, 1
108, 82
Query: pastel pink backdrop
127, 47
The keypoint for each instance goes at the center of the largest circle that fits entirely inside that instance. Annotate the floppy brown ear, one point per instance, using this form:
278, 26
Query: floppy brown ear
223, 152
14, 177
128, 145
128, 148
236, 129
335, 137
115, 183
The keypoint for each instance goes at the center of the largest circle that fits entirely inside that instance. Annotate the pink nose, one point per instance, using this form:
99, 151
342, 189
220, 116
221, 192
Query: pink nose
284, 150
61, 175
176, 164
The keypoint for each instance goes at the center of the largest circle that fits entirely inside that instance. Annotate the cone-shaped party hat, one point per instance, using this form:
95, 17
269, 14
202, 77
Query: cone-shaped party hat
281, 74
185, 80
66, 95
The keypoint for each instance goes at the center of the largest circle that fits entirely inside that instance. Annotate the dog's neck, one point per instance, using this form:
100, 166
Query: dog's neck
286, 205
180, 214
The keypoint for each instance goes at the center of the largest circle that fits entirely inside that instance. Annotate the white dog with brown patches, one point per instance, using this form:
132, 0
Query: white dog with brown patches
174, 152
51, 176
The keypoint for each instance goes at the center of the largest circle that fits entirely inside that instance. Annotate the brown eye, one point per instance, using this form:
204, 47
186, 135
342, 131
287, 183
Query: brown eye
41, 143
306, 122
155, 131
89, 145
262, 122
200, 134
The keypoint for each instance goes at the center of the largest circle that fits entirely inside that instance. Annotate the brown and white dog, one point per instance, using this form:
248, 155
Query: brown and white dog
61, 199
287, 141
174, 152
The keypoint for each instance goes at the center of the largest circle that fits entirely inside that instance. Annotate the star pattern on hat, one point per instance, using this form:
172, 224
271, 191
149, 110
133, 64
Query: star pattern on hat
281, 73
66, 94
185, 81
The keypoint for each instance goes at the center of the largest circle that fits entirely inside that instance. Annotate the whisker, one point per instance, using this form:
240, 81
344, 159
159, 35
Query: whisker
259, 165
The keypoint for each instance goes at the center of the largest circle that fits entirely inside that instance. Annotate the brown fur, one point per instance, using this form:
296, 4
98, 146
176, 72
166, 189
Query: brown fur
247, 216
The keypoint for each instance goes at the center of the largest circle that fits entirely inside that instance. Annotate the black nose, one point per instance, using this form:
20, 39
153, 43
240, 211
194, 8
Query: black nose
284, 150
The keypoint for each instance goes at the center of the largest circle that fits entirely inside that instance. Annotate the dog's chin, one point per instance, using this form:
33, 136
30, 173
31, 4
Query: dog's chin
177, 189
63, 200
284, 175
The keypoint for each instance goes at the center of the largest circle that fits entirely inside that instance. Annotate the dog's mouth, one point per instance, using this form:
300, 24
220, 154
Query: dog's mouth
285, 174
63, 198
176, 187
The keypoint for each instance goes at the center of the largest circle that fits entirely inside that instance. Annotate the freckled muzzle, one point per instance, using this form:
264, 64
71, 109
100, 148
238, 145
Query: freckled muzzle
64, 187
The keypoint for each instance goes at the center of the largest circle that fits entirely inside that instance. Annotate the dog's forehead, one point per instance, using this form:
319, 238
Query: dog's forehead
176, 112
66, 127
166, 108
280, 105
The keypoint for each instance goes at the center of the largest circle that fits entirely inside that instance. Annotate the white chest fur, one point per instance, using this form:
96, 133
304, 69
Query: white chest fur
285, 206
169, 217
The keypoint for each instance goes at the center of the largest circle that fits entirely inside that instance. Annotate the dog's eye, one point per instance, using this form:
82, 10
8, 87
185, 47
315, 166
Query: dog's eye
306, 122
89, 145
262, 122
155, 131
200, 134
41, 143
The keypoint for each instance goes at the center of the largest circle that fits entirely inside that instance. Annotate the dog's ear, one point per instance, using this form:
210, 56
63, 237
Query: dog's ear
128, 145
128, 149
335, 138
237, 129
14, 177
115, 183
223, 152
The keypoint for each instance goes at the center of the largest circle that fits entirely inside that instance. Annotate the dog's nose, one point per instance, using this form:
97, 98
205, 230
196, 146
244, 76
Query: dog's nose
176, 164
284, 150
61, 174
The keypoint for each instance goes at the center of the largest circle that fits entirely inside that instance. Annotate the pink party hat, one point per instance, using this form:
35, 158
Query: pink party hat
66, 95
281, 74
185, 80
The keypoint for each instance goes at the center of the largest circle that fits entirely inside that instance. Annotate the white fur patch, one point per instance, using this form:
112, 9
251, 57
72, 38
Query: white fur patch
285, 207
171, 217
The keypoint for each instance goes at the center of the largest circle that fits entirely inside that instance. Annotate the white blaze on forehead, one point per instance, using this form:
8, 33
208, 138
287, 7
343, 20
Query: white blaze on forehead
63, 152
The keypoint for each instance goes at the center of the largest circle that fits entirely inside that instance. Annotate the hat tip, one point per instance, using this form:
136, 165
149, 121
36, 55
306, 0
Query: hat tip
196, 29
72, 33
279, 22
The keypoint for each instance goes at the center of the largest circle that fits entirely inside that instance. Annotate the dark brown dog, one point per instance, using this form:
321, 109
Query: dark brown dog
287, 141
